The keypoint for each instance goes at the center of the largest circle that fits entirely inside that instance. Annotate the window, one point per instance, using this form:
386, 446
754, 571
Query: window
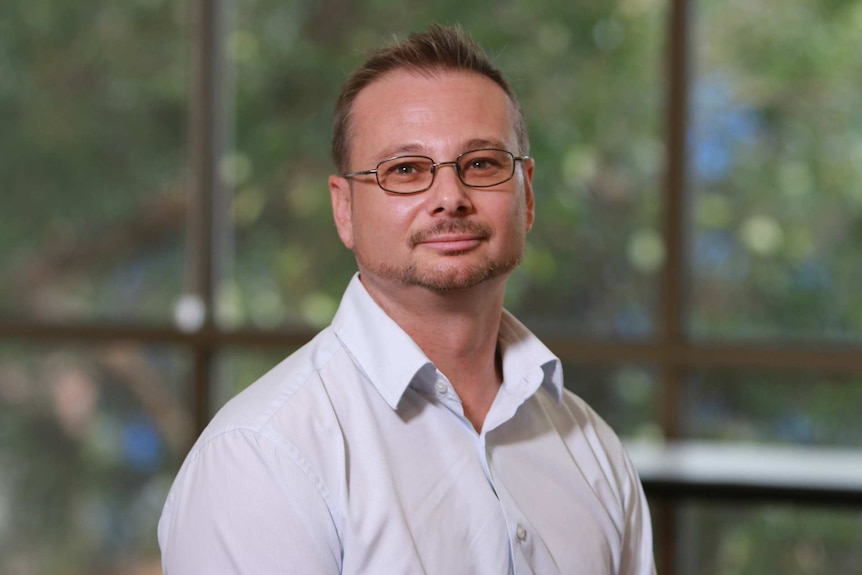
166, 237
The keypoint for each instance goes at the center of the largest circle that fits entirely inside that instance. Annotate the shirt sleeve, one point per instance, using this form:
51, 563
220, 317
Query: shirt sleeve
635, 525
637, 550
247, 504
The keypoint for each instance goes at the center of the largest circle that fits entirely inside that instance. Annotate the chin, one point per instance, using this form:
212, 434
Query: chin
446, 278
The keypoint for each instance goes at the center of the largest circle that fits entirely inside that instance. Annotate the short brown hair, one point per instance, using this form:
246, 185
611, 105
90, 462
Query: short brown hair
440, 48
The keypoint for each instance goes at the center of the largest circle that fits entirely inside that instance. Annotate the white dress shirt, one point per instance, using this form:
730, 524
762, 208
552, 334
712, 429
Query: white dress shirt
353, 456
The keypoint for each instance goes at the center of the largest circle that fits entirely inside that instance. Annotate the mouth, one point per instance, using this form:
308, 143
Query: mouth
454, 236
452, 243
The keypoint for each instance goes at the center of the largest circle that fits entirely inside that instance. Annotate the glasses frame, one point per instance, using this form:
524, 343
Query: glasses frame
434, 166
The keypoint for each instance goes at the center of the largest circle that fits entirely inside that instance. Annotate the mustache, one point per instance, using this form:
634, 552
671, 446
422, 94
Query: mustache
479, 230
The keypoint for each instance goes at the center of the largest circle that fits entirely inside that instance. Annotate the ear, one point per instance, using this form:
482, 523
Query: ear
527, 168
342, 208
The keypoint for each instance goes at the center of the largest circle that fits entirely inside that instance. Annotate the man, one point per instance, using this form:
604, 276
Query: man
426, 430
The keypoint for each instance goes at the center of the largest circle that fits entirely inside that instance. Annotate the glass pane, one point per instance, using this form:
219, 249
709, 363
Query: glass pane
624, 396
775, 166
722, 538
800, 409
92, 150
588, 74
90, 440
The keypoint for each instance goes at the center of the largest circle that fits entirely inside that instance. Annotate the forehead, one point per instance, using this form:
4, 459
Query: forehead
434, 112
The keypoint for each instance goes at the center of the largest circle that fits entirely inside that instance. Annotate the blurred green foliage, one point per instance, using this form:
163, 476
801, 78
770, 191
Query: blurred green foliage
93, 106
776, 161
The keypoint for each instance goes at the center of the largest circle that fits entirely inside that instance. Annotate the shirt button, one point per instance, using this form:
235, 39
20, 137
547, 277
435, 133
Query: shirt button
441, 387
522, 533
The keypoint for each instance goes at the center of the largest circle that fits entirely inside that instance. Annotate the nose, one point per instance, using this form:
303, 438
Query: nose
448, 194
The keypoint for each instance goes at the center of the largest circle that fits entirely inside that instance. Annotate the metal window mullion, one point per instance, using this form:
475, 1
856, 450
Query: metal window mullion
673, 292
206, 140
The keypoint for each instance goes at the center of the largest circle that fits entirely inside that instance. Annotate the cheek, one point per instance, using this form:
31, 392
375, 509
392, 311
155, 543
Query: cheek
384, 221
516, 215
512, 224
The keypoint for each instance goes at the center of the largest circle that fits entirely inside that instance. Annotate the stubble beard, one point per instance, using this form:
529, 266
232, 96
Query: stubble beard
448, 276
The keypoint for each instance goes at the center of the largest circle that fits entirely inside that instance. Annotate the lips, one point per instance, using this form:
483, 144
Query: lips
452, 243
454, 235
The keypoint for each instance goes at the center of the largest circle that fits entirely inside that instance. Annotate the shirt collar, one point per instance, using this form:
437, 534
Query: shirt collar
392, 360
527, 362
384, 351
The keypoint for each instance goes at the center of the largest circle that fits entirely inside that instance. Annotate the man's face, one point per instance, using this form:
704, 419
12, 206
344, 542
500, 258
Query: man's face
450, 236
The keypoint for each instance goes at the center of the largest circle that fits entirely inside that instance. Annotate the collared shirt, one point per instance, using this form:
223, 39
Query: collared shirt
354, 456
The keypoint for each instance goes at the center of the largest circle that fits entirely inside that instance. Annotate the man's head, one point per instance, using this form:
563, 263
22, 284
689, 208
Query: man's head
438, 49
464, 227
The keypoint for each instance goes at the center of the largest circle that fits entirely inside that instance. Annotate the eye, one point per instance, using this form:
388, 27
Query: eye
483, 163
404, 167
480, 164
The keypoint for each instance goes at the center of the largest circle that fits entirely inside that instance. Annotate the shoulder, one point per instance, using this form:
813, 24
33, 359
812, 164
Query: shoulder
591, 422
262, 456
284, 419
587, 417
283, 395
604, 444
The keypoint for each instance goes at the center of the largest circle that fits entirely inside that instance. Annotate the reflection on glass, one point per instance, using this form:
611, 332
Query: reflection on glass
724, 538
89, 443
588, 75
799, 409
92, 151
624, 396
775, 164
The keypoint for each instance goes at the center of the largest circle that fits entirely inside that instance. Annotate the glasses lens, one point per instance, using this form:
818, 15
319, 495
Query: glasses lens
485, 168
405, 175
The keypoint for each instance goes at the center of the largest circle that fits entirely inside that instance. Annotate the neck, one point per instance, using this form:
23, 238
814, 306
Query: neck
458, 332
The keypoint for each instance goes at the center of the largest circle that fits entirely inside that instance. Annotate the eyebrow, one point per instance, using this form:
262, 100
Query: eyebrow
478, 143
401, 149
419, 149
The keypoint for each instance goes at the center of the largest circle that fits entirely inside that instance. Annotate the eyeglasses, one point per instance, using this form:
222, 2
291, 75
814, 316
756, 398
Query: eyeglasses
482, 168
